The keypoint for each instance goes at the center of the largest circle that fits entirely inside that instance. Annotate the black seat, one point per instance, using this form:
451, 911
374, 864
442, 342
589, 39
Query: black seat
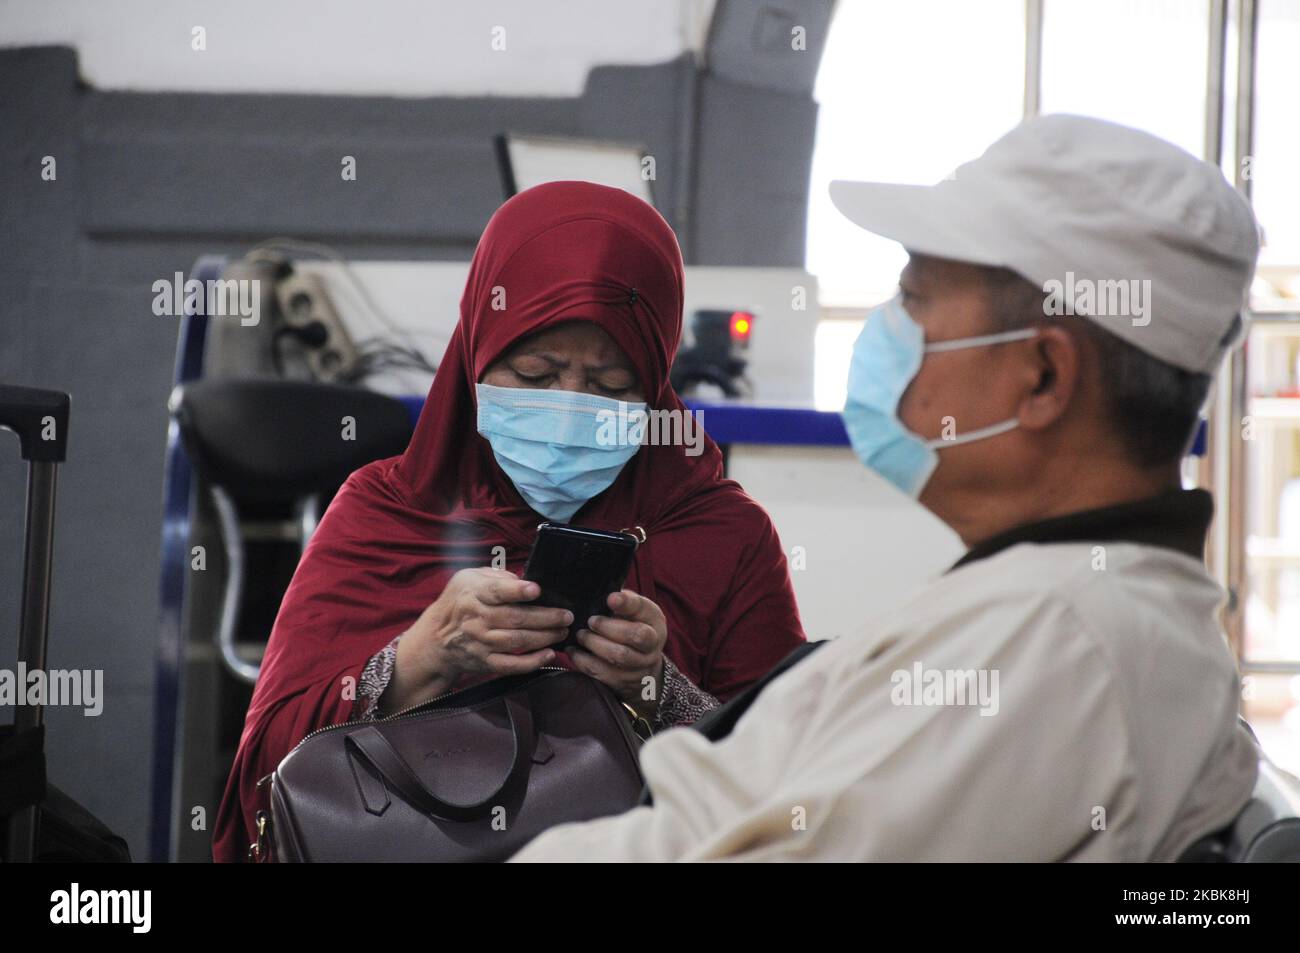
1266, 831
257, 442
269, 439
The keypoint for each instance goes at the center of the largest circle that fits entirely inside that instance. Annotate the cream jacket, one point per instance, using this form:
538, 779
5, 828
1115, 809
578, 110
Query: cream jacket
1060, 701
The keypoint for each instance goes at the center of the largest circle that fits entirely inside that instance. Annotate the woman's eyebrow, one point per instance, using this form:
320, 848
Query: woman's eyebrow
550, 358
594, 369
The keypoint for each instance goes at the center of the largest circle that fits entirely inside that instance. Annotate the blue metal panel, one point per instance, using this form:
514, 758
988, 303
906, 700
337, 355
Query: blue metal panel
743, 423
1200, 440
414, 404
168, 709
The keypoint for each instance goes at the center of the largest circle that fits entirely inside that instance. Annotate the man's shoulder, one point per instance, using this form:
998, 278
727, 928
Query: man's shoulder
1083, 571
1123, 598
1023, 578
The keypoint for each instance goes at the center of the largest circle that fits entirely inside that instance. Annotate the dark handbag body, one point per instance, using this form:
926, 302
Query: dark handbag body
471, 776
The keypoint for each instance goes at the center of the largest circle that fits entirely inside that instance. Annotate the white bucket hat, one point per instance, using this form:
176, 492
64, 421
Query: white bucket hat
1125, 228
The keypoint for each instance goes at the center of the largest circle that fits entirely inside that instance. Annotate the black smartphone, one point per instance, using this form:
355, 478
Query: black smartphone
577, 569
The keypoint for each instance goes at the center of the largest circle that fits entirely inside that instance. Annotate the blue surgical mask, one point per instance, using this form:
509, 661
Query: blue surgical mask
559, 448
887, 355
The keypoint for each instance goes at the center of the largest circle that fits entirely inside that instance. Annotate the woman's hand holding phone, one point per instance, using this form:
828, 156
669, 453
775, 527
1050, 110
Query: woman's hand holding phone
481, 624
625, 648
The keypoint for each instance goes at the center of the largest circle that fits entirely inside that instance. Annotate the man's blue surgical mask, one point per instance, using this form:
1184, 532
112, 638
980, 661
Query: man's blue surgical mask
559, 448
886, 356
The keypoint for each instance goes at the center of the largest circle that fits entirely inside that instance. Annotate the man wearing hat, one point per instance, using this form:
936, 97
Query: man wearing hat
1064, 691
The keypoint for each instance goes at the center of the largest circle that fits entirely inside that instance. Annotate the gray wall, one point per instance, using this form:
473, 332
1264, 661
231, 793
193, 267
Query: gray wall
148, 182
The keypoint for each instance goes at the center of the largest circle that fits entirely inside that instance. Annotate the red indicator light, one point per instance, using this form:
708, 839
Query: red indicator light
742, 322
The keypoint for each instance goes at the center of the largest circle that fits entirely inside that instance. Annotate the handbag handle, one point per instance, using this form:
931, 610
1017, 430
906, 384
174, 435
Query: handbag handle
371, 744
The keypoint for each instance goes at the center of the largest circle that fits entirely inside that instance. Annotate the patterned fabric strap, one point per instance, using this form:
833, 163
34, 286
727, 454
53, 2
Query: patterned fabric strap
682, 701
374, 679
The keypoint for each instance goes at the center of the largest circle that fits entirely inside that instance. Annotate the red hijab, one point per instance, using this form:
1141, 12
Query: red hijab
400, 528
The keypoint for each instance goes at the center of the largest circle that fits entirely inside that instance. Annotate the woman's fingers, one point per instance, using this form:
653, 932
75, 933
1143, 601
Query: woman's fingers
619, 653
525, 617
624, 649
601, 671
520, 641
638, 637
627, 604
502, 588
519, 664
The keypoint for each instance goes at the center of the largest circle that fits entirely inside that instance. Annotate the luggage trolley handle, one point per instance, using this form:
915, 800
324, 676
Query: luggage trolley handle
40, 418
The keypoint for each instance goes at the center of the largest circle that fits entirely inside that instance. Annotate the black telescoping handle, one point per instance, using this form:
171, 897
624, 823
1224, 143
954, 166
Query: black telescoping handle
40, 418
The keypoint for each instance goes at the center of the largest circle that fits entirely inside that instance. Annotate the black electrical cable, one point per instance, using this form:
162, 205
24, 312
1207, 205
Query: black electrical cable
312, 334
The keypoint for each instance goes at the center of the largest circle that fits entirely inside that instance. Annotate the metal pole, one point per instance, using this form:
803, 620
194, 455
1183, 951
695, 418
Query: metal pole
1215, 78
1247, 36
1212, 468
33, 627
1247, 42
1033, 57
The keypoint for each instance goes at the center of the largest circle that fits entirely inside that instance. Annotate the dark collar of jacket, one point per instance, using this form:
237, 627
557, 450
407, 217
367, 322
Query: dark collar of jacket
1176, 519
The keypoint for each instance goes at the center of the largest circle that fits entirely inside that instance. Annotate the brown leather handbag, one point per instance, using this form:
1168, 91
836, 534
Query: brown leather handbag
470, 776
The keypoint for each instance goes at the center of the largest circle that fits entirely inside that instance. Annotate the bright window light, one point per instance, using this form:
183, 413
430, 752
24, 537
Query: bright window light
832, 348
906, 92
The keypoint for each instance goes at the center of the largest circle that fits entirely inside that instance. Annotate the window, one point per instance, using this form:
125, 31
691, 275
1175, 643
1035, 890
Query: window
906, 92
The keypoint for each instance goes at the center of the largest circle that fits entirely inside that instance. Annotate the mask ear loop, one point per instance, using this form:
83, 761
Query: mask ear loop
999, 338
992, 430
639, 535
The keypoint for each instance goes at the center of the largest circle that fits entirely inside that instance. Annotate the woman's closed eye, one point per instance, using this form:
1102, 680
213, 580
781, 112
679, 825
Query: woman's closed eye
545, 381
535, 380
616, 389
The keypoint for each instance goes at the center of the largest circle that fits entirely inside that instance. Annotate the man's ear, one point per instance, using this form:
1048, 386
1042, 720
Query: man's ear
1053, 367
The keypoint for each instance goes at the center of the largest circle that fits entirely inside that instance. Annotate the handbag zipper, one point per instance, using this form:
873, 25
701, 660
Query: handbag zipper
405, 711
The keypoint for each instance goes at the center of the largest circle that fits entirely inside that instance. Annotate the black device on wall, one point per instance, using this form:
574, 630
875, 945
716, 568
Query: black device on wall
714, 358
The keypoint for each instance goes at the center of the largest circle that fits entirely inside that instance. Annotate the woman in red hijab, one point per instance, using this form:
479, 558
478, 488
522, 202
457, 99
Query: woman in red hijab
574, 287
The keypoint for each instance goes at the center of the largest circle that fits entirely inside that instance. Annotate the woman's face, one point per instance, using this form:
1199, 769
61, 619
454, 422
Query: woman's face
576, 356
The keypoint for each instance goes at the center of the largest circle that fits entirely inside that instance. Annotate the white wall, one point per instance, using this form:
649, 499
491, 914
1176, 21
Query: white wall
863, 548
357, 47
